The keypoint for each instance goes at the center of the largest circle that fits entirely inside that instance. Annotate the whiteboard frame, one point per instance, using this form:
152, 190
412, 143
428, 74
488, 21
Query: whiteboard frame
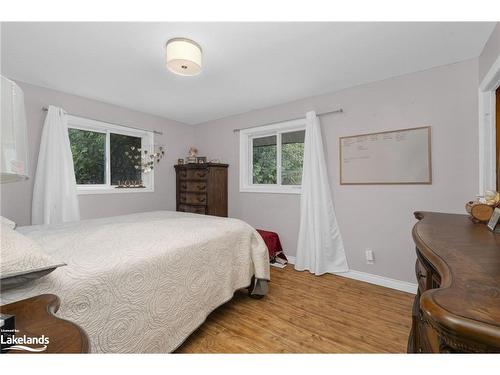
429, 182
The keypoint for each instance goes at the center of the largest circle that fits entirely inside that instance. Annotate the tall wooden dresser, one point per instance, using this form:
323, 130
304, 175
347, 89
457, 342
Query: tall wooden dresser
202, 188
457, 307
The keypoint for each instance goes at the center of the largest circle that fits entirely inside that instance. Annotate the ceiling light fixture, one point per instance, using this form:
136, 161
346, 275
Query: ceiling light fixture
183, 57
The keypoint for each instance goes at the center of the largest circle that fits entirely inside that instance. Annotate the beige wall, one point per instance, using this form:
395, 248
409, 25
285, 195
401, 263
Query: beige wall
16, 197
490, 52
370, 217
375, 217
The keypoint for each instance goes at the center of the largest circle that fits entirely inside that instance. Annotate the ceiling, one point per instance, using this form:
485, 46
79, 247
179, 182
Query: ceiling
245, 65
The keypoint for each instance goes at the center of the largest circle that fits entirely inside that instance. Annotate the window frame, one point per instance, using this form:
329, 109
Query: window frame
147, 138
246, 157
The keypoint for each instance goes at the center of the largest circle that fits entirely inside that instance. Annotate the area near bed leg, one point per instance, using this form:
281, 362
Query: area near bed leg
258, 288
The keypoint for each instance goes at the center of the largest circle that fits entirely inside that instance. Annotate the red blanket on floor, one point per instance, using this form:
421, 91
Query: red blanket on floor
273, 243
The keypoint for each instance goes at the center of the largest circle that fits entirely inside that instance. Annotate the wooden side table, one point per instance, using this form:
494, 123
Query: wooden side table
35, 317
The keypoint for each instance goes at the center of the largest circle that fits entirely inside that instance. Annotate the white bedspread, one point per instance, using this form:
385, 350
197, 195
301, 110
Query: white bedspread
144, 282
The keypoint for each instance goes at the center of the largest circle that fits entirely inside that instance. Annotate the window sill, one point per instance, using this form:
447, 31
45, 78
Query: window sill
271, 190
111, 190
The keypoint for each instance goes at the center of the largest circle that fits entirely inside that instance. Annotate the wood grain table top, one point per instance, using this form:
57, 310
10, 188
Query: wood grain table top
467, 257
35, 317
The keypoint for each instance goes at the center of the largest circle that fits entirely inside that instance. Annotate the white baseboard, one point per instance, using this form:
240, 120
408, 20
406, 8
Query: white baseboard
374, 279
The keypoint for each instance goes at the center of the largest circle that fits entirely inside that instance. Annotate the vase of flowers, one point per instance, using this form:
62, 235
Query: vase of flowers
193, 152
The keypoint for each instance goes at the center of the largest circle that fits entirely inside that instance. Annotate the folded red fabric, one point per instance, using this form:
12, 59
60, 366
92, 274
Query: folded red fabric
273, 244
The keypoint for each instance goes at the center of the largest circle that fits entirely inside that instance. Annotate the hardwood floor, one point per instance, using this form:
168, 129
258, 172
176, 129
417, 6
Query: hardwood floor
308, 314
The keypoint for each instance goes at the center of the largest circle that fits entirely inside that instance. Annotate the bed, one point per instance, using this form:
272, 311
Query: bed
142, 283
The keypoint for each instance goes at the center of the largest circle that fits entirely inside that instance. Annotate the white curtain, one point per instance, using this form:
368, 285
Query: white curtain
54, 194
320, 248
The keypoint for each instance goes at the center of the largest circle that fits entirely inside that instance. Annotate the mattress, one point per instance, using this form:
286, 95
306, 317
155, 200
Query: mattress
142, 283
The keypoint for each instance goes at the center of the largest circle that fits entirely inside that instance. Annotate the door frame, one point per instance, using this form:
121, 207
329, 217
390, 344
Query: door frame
487, 128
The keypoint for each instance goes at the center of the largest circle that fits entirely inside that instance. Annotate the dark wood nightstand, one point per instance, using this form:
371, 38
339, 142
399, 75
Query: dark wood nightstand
35, 317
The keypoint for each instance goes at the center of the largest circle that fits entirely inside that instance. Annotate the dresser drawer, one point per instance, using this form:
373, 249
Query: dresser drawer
194, 174
193, 198
202, 188
192, 209
422, 276
193, 186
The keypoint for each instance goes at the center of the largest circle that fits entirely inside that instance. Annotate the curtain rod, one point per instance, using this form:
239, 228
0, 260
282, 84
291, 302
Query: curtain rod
340, 110
114, 123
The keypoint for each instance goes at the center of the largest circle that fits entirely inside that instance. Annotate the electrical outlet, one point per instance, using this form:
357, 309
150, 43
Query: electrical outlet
370, 257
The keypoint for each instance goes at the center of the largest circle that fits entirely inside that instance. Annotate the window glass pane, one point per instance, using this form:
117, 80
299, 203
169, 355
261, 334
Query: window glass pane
125, 158
89, 156
292, 157
264, 160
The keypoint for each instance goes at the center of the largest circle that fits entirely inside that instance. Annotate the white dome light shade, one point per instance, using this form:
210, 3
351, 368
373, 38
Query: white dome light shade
183, 57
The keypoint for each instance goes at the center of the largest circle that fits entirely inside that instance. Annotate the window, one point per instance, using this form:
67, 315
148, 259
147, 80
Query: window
124, 168
271, 158
264, 151
106, 154
89, 156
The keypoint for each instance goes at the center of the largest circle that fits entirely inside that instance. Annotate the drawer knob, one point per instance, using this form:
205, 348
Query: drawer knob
201, 174
202, 187
184, 186
201, 199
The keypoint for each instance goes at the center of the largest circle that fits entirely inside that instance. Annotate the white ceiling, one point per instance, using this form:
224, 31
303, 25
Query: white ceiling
246, 65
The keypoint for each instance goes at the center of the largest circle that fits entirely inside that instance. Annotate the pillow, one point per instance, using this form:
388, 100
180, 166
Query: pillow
8, 222
21, 259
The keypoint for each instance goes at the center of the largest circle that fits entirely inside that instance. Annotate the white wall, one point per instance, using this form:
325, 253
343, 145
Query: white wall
16, 197
490, 52
375, 217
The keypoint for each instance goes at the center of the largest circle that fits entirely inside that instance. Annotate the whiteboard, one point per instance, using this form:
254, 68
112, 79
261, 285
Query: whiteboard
393, 157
